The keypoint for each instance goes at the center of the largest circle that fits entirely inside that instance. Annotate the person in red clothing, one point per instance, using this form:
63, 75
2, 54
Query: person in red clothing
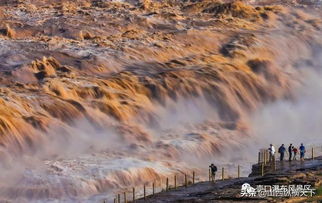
295, 153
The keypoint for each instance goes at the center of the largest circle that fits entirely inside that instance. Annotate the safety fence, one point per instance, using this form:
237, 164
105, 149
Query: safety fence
167, 184
184, 180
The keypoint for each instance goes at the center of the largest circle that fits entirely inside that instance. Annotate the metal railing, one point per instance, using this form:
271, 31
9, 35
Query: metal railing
265, 163
166, 184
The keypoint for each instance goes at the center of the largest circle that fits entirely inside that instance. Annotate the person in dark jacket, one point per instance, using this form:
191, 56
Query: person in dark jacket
213, 170
290, 149
302, 152
281, 150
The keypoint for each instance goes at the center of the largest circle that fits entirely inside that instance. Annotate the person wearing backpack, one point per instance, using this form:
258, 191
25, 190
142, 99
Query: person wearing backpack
281, 150
213, 170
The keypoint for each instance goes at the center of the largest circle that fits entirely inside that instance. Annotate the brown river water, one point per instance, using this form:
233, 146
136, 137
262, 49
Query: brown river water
101, 96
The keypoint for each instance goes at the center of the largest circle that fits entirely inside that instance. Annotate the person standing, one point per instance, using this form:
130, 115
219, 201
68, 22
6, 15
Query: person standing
294, 152
302, 152
281, 150
290, 149
271, 150
213, 170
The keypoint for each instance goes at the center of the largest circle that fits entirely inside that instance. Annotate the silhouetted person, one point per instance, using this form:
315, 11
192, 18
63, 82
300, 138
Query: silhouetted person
295, 153
271, 151
281, 150
290, 149
302, 152
213, 170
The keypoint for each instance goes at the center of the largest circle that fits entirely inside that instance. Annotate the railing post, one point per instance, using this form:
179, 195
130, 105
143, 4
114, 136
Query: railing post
133, 193
193, 177
153, 188
210, 175
223, 173
262, 169
118, 198
167, 184
265, 157
114, 200
238, 172
125, 200
312, 153
259, 157
175, 181
144, 191
185, 180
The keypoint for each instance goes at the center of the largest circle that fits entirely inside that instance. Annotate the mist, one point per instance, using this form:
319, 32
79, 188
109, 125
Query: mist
292, 121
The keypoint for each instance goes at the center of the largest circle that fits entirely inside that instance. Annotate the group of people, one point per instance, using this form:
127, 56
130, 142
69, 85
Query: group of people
292, 152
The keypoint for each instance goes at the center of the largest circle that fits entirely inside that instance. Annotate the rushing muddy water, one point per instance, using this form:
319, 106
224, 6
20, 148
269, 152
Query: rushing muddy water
100, 96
